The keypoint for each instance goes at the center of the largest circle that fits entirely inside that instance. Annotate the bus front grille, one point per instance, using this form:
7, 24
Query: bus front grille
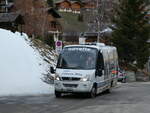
70, 85
70, 79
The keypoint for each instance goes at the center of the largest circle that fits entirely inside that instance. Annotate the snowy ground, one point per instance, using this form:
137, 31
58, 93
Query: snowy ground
21, 66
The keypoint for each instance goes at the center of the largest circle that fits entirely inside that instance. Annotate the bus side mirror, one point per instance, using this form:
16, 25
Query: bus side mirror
52, 70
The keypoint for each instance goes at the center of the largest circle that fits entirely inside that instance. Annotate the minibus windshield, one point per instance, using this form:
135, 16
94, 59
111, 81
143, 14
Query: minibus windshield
77, 58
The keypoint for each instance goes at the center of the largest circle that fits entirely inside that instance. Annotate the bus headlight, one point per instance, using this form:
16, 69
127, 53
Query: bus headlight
84, 79
57, 78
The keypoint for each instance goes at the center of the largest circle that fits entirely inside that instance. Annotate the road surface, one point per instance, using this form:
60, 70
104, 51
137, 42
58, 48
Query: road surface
126, 98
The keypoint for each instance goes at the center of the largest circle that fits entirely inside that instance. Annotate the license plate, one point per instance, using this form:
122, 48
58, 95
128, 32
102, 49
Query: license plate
69, 90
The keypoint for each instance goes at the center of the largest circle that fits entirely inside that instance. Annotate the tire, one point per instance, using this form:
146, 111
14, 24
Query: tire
57, 94
124, 80
110, 88
92, 94
107, 90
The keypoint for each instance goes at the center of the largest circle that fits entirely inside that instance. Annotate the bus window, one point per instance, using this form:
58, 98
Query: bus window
100, 64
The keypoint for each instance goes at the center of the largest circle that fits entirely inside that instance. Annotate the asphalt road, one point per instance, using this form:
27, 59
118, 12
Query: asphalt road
126, 98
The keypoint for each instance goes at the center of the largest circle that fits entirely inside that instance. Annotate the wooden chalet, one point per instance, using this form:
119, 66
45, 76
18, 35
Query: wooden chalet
11, 21
6, 6
89, 4
68, 6
76, 6
63, 5
54, 25
90, 36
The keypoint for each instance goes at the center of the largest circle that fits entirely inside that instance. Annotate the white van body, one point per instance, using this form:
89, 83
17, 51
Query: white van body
72, 76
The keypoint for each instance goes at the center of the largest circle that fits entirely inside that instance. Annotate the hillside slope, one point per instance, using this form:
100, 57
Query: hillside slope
21, 66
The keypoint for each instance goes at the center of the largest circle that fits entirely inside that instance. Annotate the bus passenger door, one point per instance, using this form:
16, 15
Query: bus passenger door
99, 75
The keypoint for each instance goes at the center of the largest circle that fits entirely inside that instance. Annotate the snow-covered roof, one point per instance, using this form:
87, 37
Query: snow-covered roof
90, 45
9, 17
107, 30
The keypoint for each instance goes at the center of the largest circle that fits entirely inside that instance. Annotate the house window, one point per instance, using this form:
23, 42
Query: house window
53, 24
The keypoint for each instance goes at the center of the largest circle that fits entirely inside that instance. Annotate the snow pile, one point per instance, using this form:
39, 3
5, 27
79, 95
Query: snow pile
21, 66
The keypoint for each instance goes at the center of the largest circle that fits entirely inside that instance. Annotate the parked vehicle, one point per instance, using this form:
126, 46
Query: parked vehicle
121, 76
86, 69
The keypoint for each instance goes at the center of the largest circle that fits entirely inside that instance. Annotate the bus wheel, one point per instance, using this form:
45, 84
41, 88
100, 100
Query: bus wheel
92, 94
108, 90
124, 80
57, 94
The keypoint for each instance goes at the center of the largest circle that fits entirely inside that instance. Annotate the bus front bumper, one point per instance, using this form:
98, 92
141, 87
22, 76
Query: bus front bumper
73, 87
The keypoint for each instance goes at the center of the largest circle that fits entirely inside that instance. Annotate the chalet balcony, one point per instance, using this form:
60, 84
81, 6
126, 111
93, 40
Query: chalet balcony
54, 26
54, 29
65, 9
76, 11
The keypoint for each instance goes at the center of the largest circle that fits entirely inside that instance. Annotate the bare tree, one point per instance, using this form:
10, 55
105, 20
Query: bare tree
35, 16
100, 17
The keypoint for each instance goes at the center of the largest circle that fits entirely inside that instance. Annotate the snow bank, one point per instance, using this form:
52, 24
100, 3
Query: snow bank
21, 67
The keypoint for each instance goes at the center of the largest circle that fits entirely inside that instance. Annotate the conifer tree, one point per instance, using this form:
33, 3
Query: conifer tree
131, 32
50, 3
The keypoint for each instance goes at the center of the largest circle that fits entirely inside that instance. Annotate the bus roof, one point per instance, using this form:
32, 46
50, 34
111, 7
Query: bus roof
96, 46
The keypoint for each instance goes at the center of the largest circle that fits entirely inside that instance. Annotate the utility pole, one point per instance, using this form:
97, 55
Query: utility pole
6, 6
103, 15
98, 19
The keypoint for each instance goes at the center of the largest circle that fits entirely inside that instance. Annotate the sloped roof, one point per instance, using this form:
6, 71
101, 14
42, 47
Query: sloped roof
59, 1
70, 1
76, 2
10, 5
54, 13
86, 1
89, 34
9, 17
